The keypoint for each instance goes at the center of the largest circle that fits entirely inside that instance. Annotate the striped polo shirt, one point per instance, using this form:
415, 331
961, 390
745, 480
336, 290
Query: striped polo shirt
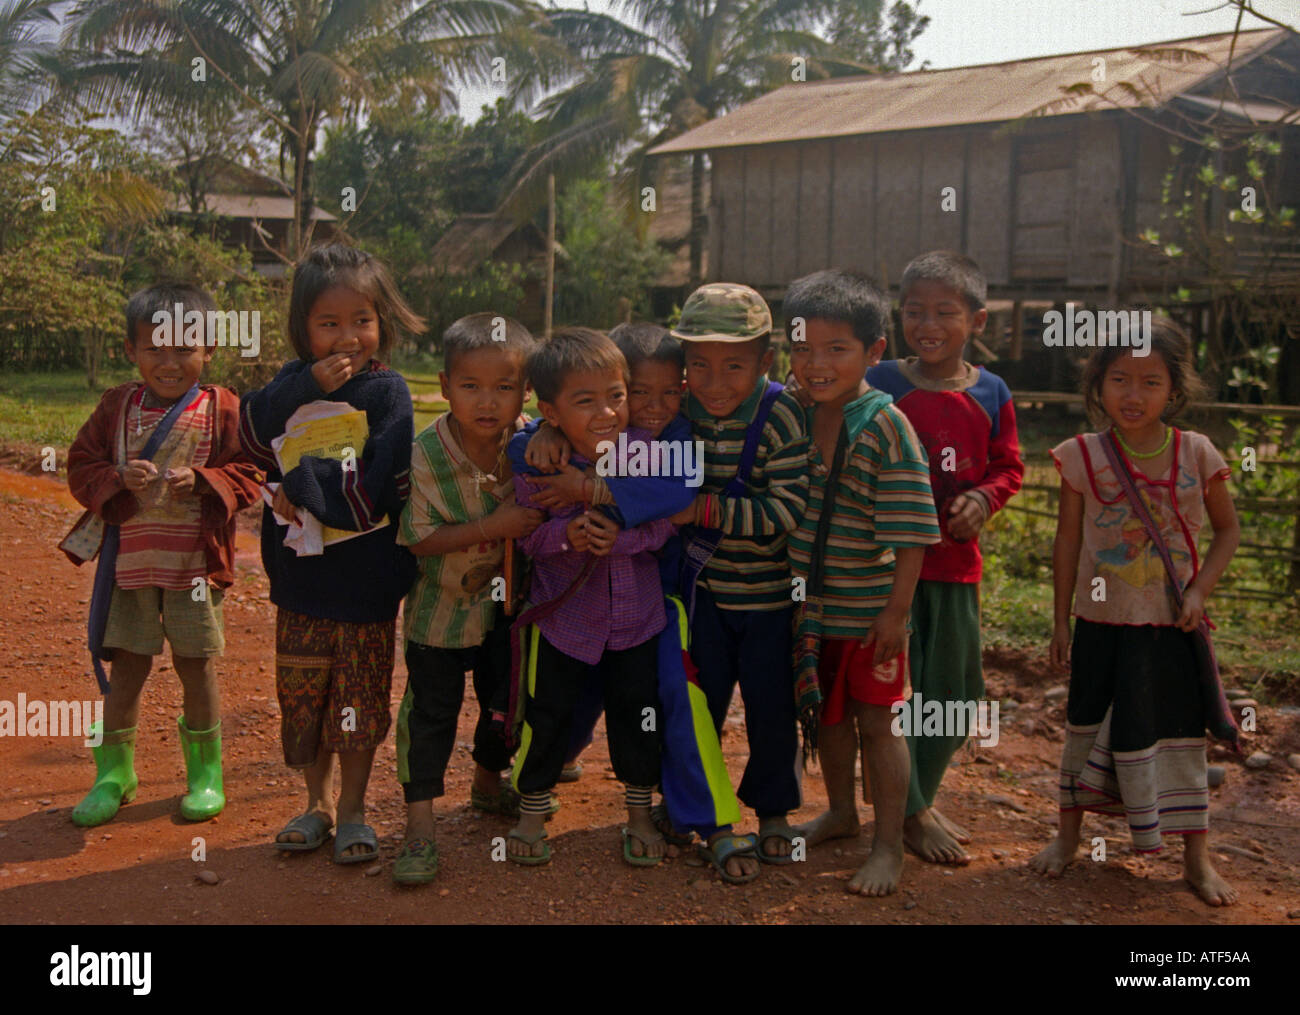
750, 570
882, 502
450, 605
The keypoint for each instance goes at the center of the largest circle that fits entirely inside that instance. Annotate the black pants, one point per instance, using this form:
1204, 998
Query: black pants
752, 648
631, 687
435, 690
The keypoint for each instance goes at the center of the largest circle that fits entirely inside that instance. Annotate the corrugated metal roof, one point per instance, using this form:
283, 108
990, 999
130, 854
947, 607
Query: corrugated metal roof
253, 206
987, 93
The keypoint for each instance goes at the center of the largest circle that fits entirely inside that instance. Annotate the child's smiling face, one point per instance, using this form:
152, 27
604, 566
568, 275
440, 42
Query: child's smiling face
655, 395
937, 322
485, 390
721, 375
830, 362
344, 321
591, 407
167, 370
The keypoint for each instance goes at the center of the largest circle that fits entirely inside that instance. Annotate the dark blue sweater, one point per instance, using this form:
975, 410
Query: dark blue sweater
364, 579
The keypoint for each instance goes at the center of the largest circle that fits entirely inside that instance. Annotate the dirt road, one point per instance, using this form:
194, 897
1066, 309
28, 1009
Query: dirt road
140, 868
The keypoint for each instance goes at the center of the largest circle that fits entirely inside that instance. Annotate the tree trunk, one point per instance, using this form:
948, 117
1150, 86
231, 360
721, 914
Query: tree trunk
698, 222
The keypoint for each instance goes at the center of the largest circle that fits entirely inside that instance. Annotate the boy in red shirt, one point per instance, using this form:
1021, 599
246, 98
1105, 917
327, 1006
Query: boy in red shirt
966, 420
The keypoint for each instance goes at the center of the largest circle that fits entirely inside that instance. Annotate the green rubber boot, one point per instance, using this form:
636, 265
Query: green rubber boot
115, 781
202, 749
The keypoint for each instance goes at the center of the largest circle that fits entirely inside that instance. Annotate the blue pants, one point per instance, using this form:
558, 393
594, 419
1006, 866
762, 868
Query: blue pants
753, 648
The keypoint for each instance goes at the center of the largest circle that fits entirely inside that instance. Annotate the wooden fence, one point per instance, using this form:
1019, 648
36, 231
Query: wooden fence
1275, 506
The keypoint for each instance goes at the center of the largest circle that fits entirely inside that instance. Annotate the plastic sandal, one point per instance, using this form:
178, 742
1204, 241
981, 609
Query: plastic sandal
352, 834
724, 849
312, 827
640, 861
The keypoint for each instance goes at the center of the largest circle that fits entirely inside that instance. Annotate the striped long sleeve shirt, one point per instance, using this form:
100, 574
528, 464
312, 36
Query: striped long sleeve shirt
750, 570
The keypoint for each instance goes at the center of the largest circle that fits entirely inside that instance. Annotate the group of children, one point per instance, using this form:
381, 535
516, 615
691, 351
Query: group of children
824, 556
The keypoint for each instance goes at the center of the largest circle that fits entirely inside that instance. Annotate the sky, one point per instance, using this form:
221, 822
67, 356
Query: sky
963, 32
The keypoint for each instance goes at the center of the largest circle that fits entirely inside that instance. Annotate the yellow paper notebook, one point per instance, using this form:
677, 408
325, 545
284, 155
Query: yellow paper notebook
325, 430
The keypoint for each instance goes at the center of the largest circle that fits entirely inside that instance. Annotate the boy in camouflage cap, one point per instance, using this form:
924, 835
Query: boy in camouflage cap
754, 492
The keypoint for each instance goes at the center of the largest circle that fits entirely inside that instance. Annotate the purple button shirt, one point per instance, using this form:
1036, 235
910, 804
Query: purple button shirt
620, 604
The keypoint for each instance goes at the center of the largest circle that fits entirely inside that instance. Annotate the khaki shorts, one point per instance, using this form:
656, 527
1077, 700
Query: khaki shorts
139, 618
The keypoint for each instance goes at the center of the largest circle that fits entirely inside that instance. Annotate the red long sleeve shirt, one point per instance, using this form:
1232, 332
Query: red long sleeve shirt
968, 427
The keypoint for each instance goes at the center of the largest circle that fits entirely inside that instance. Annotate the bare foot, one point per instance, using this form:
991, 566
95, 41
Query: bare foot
770, 842
829, 825
951, 827
879, 875
927, 839
1205, 881
1058, 855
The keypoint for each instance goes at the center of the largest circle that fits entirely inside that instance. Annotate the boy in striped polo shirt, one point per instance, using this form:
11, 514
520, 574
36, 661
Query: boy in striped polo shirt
882, 519
752, 497
461, 512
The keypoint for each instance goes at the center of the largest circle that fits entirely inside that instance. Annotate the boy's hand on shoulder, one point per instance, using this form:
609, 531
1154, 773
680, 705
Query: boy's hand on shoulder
576, 533
569, 486
332, 372
512, 521
138, 474
548, 449
965, 517
889, 634
601, 533
180, 480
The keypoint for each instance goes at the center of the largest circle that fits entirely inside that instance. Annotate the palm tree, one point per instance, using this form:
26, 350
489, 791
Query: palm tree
299, 65
660, 67
27, 32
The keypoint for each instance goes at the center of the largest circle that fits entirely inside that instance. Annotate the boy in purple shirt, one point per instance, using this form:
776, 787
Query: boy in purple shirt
615, 614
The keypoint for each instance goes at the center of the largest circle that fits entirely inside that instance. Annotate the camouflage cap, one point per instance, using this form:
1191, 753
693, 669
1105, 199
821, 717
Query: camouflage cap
723, 312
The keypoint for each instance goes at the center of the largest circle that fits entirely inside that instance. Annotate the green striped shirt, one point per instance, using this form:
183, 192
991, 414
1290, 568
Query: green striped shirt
450, 605
750, 570
882, 502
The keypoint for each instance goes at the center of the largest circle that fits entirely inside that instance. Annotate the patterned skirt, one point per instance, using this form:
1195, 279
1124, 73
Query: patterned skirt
1135, 731
334, 680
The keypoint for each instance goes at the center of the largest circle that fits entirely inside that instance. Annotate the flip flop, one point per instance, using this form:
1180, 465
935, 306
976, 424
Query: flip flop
530, 861
640, 861
353, 834
787, 833
659, 815
724, 849
417, 864
312, 827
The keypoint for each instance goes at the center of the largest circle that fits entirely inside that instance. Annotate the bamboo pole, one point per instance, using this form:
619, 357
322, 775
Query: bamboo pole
550, 256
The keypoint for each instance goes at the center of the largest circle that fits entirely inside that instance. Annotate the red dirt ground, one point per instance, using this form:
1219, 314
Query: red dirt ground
138, 868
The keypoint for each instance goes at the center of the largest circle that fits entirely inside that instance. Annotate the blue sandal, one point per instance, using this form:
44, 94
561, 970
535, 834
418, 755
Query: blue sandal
724, 849
312, 827
348, 835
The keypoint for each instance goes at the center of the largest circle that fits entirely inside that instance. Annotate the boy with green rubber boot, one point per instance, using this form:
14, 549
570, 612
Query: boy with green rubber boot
160, 470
